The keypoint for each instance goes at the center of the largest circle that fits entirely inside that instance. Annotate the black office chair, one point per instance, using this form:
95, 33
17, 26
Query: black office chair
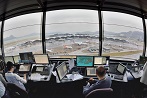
100, 93
16, 92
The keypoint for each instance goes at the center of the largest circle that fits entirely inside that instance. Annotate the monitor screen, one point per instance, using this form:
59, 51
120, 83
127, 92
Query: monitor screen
24, 68
121, 68
112, 68
91, 71
101, 60
16, 59
41, 59
84, 61
142, 60
9, 58
39, 68
27, 57
61, 70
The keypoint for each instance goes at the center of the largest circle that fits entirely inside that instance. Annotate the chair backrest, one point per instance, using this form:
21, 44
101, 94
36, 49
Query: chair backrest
12, 79
2, 79
100, 93
16, 92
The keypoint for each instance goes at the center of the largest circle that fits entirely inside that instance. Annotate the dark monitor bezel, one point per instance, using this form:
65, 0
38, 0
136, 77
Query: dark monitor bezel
42, 54
84, 56
107, 58
60, 79
91, 75
28, 60
124, 68
11, 61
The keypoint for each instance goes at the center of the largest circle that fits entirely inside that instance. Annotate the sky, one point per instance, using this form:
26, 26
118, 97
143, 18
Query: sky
71, 20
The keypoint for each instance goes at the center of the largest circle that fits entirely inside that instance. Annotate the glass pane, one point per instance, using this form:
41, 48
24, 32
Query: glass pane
72, 32
146, 36
123, 35
22, 34
0, 43
0, 38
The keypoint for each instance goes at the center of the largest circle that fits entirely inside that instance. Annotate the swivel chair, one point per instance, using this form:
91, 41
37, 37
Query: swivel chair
16, 92
100, 93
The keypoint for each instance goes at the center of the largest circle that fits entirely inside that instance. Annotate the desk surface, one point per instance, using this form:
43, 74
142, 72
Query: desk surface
39, 77
127, 76
73, 77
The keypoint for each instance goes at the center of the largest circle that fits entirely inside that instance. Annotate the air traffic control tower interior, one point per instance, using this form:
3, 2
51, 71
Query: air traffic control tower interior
58, 44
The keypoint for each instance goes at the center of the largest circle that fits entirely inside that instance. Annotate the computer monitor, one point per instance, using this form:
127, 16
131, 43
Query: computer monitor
113, 67
39, 68
84, 61
25, 68
16, 59
9, 58
142, 60
90, 71
101, 60
41, 59
61, 70
121, 68
27, 57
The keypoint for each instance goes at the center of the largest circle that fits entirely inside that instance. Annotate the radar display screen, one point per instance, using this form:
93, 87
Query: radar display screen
84, 61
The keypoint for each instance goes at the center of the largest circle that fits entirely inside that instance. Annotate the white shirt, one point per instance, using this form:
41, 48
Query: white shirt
16, 79
2, 89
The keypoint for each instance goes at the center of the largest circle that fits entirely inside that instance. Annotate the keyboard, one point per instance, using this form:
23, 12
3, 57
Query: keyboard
66, 80
119, 77
44, 73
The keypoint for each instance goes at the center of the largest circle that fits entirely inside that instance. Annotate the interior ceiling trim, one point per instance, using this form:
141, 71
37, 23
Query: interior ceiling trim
107, 6
122, 11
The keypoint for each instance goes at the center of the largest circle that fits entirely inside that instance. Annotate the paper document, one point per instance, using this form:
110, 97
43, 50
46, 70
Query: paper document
74, 76
36, 77
54, 73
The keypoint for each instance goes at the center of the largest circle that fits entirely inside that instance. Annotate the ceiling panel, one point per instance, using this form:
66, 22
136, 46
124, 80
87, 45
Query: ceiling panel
11, 8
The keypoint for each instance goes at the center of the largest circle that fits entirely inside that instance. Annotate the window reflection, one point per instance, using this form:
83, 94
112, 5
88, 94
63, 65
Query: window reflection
22, 34
72, 32
123, 35
146, 36
0, 35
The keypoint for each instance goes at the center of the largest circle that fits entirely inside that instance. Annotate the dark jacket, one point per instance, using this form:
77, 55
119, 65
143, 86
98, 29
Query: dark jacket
105, 83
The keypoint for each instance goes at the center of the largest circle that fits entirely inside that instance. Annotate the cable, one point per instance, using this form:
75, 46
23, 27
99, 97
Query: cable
130, 73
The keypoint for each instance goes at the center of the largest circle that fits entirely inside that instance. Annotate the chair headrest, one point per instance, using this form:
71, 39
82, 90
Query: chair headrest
103, 89
99, 91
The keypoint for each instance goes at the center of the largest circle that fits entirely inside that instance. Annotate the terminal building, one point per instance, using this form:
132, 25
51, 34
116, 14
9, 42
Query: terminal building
59, 44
